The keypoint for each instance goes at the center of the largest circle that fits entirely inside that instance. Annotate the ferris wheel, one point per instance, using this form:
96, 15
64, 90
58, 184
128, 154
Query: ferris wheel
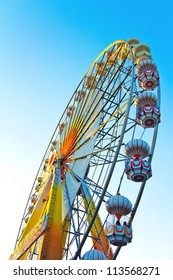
93, 173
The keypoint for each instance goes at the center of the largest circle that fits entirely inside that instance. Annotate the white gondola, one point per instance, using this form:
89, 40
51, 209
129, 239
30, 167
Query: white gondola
111, 57
62, 126
70, 111
117, 233
141, 52
94, 255
34, 198
148, 76
80, 95
138, 170
30, 208
118, 205
27, 218
147, 112
136, 149
91, 82
101, 69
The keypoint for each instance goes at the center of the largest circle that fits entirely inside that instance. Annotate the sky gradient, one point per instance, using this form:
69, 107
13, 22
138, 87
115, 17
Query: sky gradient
45, 49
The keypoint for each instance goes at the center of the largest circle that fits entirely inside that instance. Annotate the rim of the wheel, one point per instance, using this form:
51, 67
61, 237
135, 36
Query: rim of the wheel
87, 147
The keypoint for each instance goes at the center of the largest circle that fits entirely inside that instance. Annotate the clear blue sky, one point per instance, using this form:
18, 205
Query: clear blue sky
45, 49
